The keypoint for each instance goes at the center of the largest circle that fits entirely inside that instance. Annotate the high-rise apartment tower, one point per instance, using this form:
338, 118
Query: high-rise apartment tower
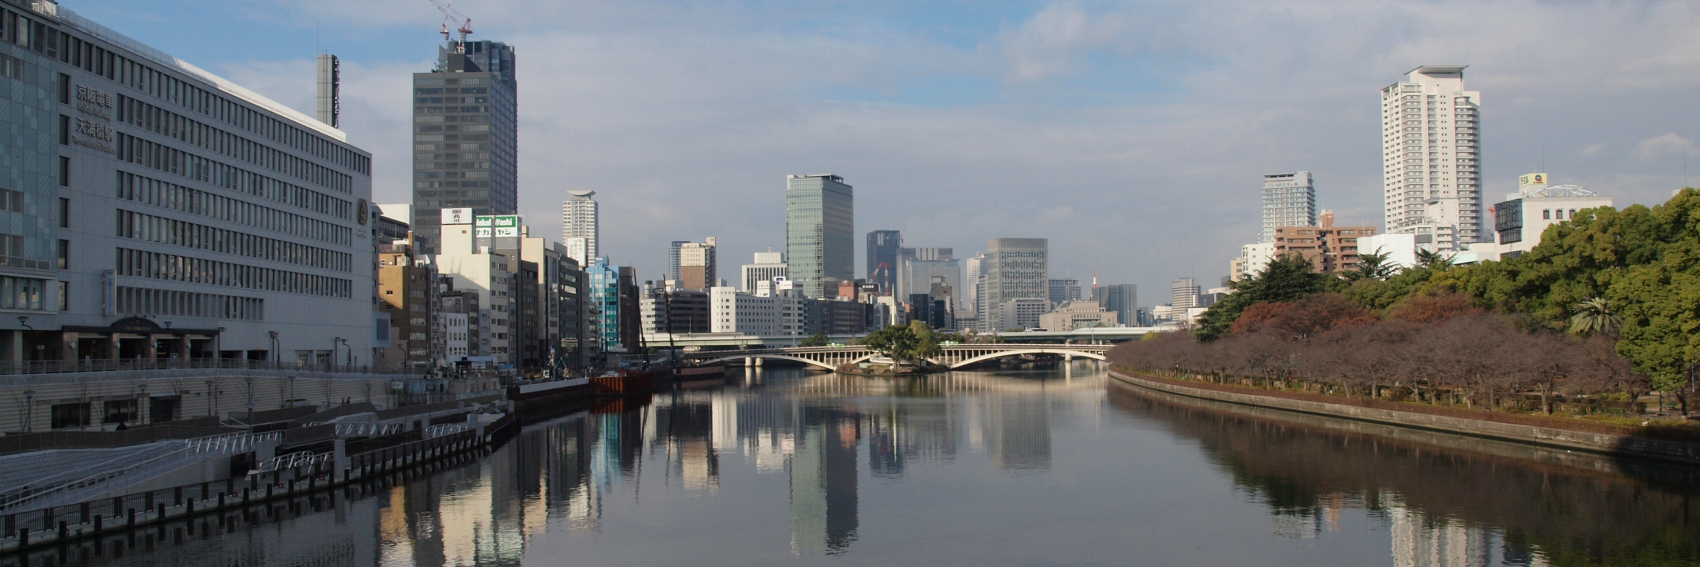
1431, 159
465, 136
580, 227
820, 241
1289, 199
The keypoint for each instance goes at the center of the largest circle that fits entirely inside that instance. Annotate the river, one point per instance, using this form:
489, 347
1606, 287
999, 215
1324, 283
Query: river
1034, 466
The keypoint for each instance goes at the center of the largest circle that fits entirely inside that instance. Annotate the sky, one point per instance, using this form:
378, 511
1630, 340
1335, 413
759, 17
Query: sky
1133, 135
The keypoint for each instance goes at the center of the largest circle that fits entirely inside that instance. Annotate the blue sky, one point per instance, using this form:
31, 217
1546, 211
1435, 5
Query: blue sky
1132, 134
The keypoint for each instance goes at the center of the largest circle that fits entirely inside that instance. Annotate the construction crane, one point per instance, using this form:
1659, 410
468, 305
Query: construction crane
450, 16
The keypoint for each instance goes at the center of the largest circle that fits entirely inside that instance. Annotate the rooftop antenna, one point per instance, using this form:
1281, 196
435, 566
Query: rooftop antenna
450, 15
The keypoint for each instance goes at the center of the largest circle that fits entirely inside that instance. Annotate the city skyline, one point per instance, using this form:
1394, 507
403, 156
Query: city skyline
1019, 66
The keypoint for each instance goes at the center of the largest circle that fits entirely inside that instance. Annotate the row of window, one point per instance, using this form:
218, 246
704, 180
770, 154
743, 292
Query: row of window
149, 302
136, 75
187, 130
1550, 214
171, 160
171, 267
158, 193
22, 293
38, 36
149, 228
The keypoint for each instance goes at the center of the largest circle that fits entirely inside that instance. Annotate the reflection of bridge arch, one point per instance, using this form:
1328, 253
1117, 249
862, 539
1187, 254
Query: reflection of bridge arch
954, 356
1064, 351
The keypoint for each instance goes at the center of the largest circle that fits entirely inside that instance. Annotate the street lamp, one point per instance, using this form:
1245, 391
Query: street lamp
276, 356
347, 352
141, 394
332, 360
29, 409
209, 398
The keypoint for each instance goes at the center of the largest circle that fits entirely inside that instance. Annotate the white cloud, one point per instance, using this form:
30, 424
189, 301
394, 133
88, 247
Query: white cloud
1593, 150
1667, 144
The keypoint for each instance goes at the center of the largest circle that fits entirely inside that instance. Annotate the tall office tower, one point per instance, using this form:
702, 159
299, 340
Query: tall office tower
1120, 298
1183, 293
696, 265
580, 227
465, 136
1430, 158
974, 284
904, 285
1289, 199
1065, 290
1016, 268
820, 241
767, 265
673, 258
882, 258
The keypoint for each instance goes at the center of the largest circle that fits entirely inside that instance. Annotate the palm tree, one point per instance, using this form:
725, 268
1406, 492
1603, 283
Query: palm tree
1372, 266
1593, 315
1437, 261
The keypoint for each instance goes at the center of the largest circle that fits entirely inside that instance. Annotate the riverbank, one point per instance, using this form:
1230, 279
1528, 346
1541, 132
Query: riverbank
1548, 435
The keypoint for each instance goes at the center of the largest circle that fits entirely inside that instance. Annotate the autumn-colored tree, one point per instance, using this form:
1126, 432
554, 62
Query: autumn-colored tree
1429, 309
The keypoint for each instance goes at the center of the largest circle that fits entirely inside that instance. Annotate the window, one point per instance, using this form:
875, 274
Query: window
64, 296
64, 171
66, 416
64, 212
1546, 214
64, 254
119, 411
64, 130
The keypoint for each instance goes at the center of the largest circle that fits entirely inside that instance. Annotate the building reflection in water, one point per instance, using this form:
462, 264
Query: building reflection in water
1446, 501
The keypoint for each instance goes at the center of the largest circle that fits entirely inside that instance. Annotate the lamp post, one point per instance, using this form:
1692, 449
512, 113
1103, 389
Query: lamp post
331, 362
347, 352
29, 410
276, 356
141, 394
209, 398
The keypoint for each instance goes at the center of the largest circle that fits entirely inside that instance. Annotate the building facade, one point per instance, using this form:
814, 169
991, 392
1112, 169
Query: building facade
882, 259
819, 232
235, 217
1077, 315
1329, 248
1289, 199
767, 265
465, 135
1521, 219
1183, 293
697, 265
1064, 290
1431, 158
1016, 268
1121, 299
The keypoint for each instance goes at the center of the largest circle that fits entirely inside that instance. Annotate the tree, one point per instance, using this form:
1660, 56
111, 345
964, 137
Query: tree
1593, 316
1287, 278
815, 340
1372, 266
1432, 260
926, 344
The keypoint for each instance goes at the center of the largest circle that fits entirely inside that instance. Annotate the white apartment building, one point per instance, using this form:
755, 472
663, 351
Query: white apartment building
1253, 258
1289, 199
581, 227
1430, 158
766, 267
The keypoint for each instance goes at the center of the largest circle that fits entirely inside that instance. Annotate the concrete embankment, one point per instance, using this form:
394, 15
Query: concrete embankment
1673, 451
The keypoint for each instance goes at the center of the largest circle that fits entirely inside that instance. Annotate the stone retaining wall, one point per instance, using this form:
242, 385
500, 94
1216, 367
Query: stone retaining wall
1552, 437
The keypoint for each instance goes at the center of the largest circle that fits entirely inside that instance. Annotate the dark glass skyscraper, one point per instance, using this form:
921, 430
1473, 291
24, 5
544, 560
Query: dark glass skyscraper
882, 258
820, 239
465, 136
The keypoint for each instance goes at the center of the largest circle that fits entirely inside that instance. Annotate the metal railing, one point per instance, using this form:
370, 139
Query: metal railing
118, 473
440, 430
366, 429
291, 461
129, 364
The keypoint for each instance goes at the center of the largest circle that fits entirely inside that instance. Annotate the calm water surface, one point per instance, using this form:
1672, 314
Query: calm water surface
1020, 467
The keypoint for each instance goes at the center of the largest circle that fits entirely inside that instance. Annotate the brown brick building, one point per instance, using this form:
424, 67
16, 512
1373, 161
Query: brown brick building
1329, 248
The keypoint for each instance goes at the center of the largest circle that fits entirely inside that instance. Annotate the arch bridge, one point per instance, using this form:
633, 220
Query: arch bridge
954, 356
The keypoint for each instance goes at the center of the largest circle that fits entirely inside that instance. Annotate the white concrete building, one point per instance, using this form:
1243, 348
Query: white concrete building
1430, 157
1022, 313
581, 227
735, 312
1289, 199
1524, 216
1401, 249
487, 275
453, 329
767, 265
1253, 258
